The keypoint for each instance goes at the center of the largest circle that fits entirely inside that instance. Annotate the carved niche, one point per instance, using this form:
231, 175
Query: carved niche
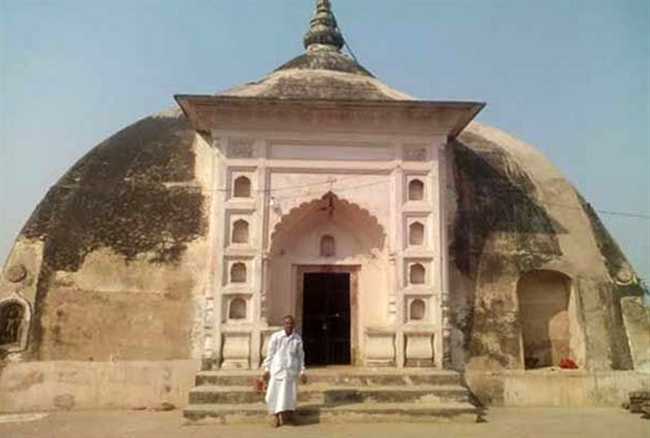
327, 246
237, 309
417, 274
416, 234
242, 187
416, 190
240, 232
417, 310
238, 273
13, 325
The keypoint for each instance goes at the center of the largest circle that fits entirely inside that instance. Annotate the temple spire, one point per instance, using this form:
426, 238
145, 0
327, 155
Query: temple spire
323, 31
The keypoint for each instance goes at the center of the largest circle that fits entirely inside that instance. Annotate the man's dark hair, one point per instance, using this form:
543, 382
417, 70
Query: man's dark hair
289, 317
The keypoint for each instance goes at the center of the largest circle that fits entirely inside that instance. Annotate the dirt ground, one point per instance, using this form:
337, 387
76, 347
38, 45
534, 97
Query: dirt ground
501, 423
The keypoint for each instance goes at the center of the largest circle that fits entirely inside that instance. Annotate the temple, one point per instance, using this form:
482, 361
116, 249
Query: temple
403, 236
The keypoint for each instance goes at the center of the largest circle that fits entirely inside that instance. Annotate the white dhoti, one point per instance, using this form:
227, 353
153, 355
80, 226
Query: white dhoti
284, 363
281, 395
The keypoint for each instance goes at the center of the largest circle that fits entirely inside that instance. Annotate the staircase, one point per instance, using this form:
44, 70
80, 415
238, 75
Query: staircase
339, 394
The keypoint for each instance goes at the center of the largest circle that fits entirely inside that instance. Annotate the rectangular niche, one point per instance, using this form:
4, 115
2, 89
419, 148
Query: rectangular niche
289, 150
238, 272
240, 230
417, 189
242, 184
418, 273
417, 232
417, 309
236, 308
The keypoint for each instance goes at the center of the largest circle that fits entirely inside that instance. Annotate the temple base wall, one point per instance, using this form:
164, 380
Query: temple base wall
67, 385
555, 388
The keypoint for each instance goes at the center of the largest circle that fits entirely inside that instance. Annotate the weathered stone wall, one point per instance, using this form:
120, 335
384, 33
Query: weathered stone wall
66, 385
637, 326
91, 315
512, 213
555, 388
499, 232
120, 249
116, 253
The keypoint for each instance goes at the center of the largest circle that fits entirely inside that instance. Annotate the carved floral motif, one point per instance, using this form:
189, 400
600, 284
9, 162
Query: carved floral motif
240, 148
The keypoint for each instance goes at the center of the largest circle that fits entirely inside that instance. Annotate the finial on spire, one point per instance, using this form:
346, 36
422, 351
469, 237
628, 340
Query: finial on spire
323, 28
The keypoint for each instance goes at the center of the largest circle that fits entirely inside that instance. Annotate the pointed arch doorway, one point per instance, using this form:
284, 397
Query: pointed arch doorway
319, 253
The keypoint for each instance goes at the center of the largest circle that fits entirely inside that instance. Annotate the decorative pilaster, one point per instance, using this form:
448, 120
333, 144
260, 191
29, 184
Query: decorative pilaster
393, 285
445, 361
208, 354
266, 286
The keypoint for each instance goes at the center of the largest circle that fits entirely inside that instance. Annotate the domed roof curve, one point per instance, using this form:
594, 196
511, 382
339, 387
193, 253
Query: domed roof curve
322, 72
137, 193
153, 161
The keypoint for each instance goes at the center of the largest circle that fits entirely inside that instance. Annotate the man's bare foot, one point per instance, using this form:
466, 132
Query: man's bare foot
288, 418
275, 420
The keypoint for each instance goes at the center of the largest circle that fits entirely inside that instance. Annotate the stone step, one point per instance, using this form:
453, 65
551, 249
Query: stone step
345, 377
361, 412
334, 394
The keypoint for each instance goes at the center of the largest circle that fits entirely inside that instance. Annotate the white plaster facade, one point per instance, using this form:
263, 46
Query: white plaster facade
378, 192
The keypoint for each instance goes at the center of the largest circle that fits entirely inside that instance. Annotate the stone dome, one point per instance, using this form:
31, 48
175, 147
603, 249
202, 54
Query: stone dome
322, 72
131, 218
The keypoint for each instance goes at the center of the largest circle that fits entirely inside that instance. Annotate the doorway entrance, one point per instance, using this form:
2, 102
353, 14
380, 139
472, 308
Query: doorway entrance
326, 318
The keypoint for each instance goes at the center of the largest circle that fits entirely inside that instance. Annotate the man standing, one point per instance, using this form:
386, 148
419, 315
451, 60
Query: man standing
284, 364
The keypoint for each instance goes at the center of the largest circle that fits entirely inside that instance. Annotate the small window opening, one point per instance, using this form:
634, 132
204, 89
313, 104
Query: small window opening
416, 234
242, 187
11, 322
327, 246
417, 310
417, 274
238, 273
416, 190
237, 309
240, 232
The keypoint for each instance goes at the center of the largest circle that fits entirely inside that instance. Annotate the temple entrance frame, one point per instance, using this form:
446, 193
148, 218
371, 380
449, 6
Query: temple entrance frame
299, 272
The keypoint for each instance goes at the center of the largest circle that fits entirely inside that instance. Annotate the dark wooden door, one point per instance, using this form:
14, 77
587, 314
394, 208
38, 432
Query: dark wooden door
326, 318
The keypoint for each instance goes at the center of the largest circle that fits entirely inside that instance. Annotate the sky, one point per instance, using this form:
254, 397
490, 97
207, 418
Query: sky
569, 76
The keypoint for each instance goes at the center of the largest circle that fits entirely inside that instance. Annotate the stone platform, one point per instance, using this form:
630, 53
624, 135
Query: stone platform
339, 394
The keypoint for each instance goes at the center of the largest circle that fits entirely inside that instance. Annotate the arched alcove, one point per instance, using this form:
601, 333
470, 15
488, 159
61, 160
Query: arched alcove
417, 274
417, 309
238, 273
240, 231
300, 236
327, 246
543, 298
242, 187
416, 190
332, 209
416, 234
237, 309
12, 323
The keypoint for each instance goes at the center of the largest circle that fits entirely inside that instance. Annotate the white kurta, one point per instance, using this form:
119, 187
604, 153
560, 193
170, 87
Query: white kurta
285, 361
